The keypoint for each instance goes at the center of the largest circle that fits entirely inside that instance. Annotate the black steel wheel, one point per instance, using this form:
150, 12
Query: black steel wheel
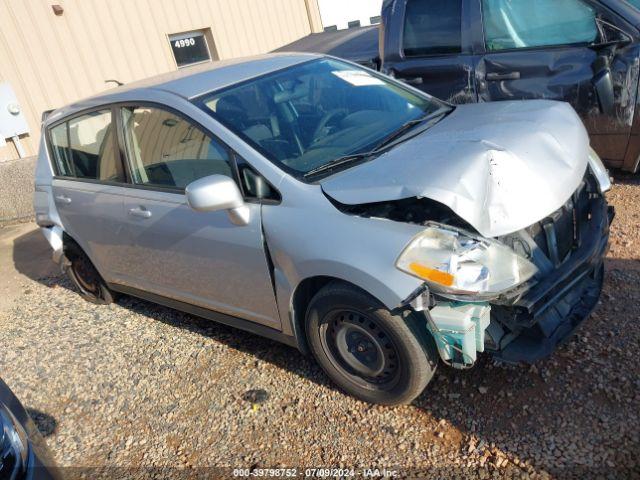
360, 348
85, 276
368, 352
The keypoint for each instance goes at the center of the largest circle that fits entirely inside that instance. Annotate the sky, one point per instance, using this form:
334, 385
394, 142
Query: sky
339, 12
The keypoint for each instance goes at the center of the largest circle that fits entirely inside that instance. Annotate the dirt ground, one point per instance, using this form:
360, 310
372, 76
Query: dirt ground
19, 265
136, 386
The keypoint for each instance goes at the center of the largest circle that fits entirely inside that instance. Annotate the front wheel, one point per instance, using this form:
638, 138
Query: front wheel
368, 352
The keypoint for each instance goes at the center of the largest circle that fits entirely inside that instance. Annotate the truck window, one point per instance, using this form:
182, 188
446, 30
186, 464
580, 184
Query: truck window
512, 24
432, 27
84, 147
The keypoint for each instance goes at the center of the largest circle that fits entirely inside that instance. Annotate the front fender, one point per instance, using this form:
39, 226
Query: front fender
306, 242
391, 289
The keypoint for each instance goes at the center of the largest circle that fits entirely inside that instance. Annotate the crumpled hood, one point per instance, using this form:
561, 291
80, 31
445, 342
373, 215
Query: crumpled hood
500, 166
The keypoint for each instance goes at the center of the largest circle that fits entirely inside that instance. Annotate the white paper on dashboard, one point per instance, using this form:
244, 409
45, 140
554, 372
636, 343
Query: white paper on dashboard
358, 78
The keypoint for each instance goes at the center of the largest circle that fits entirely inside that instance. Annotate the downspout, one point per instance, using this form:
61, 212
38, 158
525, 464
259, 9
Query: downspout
315, 22
19, 148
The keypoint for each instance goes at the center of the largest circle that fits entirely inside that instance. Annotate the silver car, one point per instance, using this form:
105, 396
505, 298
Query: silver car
335, 209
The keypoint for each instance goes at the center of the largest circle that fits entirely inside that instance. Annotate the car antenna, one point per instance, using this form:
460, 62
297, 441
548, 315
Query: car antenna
114, 81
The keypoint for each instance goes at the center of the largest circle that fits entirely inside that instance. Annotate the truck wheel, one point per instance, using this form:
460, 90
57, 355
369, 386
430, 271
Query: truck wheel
368, 352
85, 277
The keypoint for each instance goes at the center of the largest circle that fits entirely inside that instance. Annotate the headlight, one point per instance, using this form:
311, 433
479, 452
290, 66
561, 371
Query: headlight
14, 446
457, 264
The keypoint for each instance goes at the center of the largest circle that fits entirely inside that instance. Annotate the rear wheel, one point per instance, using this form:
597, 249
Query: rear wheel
85, 276
368, 352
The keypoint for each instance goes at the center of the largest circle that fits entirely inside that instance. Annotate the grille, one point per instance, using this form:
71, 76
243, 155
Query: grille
560, 233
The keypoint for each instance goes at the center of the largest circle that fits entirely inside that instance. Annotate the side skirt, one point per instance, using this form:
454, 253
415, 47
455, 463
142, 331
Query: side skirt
218, 317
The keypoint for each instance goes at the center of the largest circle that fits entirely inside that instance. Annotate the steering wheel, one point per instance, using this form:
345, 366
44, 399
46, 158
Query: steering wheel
325, 121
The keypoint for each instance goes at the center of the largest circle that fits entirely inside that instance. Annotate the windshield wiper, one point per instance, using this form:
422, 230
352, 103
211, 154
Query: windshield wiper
359, 157
400, 132
406, 127
338, 162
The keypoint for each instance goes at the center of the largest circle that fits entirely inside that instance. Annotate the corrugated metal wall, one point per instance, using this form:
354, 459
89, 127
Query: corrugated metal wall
53, 60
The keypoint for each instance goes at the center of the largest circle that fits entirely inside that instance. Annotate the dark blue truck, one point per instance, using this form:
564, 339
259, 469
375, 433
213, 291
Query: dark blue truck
585, 52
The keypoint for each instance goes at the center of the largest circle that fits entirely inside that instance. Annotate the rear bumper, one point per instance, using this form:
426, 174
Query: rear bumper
549, 313
54, 236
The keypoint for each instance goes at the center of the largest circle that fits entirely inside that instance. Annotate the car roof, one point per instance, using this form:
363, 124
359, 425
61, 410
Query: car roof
190, 82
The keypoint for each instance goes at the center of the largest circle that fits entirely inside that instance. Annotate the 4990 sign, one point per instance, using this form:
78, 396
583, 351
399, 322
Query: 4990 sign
185, 42
190, 48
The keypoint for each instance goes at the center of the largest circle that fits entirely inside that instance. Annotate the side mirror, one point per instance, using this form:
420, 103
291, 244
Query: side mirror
215, 193
603, 84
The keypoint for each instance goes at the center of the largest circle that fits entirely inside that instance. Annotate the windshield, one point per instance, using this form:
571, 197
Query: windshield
311, 114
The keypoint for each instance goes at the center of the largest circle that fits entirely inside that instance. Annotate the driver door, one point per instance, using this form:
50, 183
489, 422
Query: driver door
555, 50
433, 50
198, 258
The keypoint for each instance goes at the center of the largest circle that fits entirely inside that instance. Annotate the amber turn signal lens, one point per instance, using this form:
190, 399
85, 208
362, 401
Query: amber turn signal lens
437, 276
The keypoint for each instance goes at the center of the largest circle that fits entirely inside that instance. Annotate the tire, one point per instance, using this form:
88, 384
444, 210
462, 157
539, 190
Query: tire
368, 352
85, 276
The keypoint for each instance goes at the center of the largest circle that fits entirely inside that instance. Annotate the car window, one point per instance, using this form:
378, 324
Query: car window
511, 24
432, 27
165, 150
305, 116
635, 3
254, 185
85, 147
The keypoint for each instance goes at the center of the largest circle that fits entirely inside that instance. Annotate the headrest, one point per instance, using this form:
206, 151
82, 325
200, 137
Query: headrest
230, 109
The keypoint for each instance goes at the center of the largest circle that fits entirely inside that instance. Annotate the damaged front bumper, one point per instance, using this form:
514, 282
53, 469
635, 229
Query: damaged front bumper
528, 324
548, 314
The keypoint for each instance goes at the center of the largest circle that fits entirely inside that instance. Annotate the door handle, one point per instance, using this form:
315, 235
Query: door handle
63, 199
503, 76
140, 212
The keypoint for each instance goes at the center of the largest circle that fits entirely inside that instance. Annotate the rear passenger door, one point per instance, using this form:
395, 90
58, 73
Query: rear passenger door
200, 258
432, 51
562, 50
89, 185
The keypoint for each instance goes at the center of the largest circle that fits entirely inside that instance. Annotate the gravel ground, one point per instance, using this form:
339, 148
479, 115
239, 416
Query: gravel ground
137, 385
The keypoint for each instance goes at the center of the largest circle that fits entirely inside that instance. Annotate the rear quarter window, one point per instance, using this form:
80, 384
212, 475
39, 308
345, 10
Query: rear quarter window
84, 147
432, 27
